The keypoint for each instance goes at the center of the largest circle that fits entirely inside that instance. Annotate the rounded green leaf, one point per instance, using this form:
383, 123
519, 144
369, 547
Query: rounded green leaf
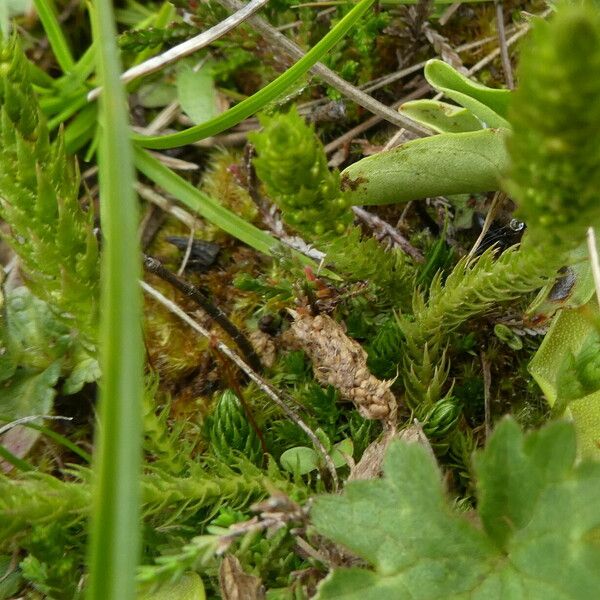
188, 587
441, 165
301, 460
197, 93
441, 116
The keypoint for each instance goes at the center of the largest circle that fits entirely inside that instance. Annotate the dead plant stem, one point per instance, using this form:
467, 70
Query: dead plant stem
189, 46
279, 41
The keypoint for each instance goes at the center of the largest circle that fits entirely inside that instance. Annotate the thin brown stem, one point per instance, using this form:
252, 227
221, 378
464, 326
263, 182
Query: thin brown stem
506, 66
154, 266
384, 229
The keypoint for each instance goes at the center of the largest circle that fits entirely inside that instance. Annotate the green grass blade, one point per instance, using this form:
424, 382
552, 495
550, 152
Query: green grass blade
56, 37
72, 108
115, 528
62, 440
202, 204
15, 461
210, 209
255, 102
81, 129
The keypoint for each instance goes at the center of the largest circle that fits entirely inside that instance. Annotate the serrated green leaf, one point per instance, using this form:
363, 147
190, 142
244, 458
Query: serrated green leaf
546, 517
35, 337
512, 474
441, 116
489, 105
32, 338
196, 92
86, 370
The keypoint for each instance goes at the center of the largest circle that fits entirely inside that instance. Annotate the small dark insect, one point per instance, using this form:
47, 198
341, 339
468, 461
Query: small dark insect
270, 324
203, 254
501, 236
563, 287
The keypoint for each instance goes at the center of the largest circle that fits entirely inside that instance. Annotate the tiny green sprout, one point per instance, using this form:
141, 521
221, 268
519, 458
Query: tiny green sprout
230, 432
442, 418
303, 460
508, 336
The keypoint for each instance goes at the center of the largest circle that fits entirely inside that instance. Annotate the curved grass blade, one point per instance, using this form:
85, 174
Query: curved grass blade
15, 461
62, 440
56, 37
255, 102
202, 204
211, 210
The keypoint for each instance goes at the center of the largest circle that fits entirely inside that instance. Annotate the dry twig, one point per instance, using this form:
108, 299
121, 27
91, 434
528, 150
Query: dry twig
384, 229
489, 219
372, 121
487, 385
151, 195
212, 310
508, 74
188, 47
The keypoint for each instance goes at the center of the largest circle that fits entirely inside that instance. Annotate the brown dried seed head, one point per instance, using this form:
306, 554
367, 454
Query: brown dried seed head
264, 346
378, 411
340, 361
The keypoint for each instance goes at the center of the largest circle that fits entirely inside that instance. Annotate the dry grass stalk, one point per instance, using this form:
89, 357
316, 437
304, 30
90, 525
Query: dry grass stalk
341, 362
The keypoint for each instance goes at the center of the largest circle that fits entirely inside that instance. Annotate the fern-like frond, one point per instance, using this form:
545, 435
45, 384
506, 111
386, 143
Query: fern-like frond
138, 40
471, 289
36, 499
39, 186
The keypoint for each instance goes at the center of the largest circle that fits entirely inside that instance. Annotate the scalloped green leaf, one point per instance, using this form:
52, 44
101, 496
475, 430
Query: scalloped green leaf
541, 518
